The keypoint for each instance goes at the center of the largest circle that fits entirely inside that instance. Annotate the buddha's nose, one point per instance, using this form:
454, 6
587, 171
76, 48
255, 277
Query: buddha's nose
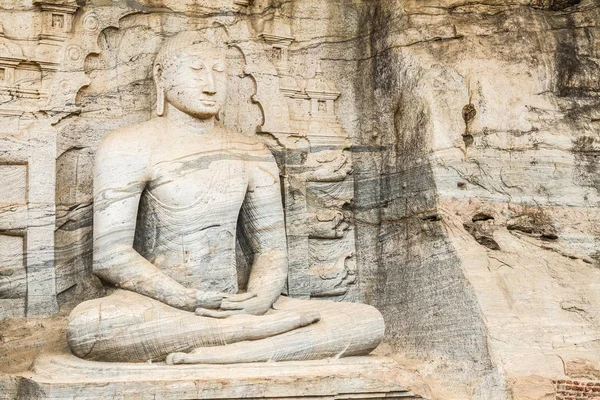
209, 87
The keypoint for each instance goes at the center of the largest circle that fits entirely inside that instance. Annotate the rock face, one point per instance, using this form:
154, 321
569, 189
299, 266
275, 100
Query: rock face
439, 161
487, 226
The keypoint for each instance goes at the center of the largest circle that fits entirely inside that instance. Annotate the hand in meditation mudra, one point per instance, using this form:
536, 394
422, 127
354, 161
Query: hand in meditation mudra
167, 196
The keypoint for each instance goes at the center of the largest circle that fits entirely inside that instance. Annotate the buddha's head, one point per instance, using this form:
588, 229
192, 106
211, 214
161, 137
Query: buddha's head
190, 74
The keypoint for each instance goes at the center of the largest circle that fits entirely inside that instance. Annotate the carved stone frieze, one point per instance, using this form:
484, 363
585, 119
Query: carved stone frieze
39, 81
28, 69
319, 191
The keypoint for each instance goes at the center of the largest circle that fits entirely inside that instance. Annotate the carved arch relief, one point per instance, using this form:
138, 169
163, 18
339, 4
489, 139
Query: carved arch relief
89, 24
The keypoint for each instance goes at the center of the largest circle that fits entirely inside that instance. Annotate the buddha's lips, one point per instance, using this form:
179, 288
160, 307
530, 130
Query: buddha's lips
208, 102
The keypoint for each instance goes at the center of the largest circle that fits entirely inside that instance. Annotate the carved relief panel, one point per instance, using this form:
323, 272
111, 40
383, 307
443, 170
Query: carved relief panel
318, 186
28, 156
27, 165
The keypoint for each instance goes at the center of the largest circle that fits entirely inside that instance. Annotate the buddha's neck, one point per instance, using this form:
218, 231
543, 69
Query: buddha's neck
187, 123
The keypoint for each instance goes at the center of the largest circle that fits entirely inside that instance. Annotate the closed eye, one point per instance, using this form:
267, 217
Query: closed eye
197, 65
219, 67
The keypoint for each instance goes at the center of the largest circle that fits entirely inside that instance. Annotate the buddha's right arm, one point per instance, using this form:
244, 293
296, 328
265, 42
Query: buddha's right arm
120, 176
123, 267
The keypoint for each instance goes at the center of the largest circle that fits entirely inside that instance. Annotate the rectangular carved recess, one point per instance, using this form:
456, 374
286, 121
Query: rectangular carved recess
13, 274
13, 181
57, 21
13, 271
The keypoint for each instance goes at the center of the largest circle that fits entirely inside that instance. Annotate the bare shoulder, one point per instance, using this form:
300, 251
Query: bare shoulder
250, 146
131, 139
123, 156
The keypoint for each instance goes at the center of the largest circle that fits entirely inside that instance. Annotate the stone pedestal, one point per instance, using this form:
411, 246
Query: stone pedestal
62, 377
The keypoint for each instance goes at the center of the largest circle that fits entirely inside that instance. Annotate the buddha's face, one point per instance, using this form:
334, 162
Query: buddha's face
194, 80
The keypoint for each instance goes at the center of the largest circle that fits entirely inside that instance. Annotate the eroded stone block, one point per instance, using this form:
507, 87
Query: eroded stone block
61, 377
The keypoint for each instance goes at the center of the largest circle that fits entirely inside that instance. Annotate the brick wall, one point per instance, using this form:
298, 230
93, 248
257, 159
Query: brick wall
577, 390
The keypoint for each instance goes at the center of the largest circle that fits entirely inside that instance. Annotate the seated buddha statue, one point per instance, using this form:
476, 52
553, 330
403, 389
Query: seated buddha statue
171, 196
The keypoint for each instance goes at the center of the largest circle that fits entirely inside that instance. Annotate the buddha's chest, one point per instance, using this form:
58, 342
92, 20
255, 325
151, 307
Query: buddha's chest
212, 178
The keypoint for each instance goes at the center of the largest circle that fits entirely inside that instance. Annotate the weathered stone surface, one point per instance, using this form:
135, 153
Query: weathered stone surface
480, 126
473, 219
66, 377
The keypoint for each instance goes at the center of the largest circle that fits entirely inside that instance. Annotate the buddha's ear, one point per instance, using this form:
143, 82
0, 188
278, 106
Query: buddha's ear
160, 90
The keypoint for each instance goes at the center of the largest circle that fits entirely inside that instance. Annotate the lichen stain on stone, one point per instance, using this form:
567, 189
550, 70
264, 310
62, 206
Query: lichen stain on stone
554, 5
482, 229
468, 114
587, 153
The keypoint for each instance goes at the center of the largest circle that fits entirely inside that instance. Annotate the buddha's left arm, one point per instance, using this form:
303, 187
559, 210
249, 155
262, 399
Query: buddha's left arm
262, 222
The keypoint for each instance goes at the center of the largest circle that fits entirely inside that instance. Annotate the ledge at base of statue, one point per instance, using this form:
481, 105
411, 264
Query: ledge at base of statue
64, 376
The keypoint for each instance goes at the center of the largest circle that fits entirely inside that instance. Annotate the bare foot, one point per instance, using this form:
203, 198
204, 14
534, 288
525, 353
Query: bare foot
176, 358
307, 318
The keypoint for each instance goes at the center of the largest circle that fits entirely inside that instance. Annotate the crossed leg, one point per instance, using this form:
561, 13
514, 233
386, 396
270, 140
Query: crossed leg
344, 329
129, 327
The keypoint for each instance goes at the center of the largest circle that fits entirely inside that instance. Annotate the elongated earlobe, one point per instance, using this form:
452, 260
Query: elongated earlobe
160, 90
160, 101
